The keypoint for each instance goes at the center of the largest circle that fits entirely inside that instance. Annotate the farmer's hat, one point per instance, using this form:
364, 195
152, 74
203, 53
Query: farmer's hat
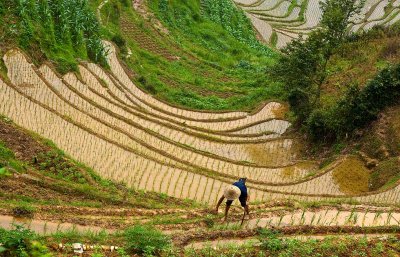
231, 192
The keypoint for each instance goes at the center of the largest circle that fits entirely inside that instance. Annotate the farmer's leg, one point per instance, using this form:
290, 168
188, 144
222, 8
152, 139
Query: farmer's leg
246, 209
228, 206
243, 202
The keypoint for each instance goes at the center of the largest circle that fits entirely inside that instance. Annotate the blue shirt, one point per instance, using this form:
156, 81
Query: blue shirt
242, 187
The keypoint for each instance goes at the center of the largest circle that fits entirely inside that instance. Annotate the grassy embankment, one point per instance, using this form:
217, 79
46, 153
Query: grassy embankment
203, 56
357, 63
34, 173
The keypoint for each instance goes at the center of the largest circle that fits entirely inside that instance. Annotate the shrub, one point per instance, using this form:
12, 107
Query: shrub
270, 241
119, 40
145, 240
21, 242
57, 165
357, 108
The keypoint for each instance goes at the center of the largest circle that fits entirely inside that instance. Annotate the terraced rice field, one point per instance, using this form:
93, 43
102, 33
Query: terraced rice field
280, 21
103, 120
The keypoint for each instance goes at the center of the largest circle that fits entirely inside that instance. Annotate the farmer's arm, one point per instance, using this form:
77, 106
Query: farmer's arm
219, 203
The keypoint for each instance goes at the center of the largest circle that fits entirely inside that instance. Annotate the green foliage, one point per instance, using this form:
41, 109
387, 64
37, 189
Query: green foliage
62, 30
209, 221
8, 162
120, 42
270, 241
303, 66
224, 46
4, 173
286, 247
357, 108
5, 153
208, 22
145, 240
303, 70
233, 20
55, 163
21, 242
74, 235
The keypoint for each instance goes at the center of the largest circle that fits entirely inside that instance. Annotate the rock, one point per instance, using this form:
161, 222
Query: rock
383, 151
106, 248
77, 247
371, 163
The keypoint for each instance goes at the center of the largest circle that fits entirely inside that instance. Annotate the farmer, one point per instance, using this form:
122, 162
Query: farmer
232, 192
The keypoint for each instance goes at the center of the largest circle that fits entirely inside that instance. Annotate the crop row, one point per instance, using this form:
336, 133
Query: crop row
329, 218
57, 109
271, 18
70, 104
146, 174
152, 105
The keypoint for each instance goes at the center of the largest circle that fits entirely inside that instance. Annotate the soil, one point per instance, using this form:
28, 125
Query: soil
24, 146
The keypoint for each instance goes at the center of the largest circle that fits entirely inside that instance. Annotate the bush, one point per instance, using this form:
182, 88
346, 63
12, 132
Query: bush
270, 241
21, 242
357, 108
119, 40
145, 240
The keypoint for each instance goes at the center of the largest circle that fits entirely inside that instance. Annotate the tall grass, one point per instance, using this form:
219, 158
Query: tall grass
59, 30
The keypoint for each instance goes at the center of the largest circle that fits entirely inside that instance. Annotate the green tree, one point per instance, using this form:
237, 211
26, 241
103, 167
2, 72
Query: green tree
302, 67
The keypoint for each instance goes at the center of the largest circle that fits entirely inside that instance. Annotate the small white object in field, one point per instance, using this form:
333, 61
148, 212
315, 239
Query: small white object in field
78, 247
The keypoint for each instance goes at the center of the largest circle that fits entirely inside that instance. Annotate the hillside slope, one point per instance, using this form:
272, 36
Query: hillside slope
190, 58
148, 157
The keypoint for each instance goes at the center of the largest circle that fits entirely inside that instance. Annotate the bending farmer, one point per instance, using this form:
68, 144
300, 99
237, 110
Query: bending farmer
236, 190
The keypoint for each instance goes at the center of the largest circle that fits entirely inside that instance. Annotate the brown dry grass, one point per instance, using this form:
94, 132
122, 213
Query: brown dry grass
281, 111
394, 129
387, 171
352, 176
